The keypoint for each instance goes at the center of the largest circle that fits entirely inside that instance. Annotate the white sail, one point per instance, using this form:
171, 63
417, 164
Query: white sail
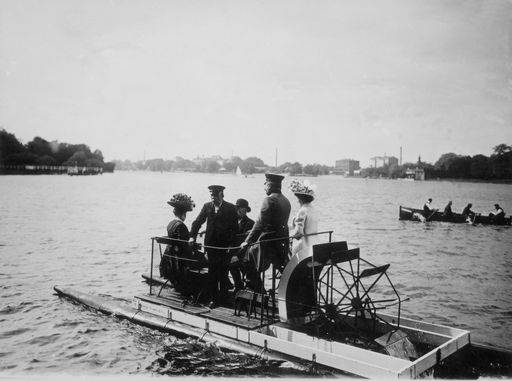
238, 171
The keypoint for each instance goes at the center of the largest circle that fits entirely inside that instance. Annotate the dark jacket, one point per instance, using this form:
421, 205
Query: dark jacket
172, 268
468, 212
448, 211
177, 229
274, 214
427, 210
272, 223
221, 227
245, 225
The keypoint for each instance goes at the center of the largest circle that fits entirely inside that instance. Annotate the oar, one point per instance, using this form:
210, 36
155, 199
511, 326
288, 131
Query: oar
432, 215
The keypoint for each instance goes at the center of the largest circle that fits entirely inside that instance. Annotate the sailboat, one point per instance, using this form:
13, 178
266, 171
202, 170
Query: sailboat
238, 171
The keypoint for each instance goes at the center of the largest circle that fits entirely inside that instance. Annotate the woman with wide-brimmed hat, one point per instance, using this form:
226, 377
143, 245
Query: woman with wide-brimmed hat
170, 266
305, 222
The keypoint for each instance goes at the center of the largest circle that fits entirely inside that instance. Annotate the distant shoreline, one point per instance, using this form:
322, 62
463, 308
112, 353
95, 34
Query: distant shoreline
24, 170
455, 180
61, 170
497, 181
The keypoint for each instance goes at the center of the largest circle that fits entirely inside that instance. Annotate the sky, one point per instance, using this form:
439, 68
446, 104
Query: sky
316, 80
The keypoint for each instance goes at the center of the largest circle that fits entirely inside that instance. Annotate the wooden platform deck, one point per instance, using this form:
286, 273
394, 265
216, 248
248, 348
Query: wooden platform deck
170, 298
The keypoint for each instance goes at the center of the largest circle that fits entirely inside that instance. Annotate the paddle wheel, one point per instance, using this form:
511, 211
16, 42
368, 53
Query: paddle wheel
334, 293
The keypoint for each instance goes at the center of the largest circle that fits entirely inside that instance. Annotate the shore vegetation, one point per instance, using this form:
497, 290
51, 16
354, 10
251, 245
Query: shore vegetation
41, 152
496, 167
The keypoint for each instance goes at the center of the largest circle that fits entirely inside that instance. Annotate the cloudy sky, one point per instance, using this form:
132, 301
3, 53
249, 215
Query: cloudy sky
318, 80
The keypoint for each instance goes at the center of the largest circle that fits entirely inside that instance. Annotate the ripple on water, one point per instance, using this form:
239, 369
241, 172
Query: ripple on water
67, 323
44, 339
14, 332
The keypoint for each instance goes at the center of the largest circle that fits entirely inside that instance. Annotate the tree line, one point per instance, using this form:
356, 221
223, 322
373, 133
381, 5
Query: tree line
42, 152
497, 166
249, 165
211, 165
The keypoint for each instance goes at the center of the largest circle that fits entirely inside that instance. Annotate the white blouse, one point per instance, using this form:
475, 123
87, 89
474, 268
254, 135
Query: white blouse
305, 222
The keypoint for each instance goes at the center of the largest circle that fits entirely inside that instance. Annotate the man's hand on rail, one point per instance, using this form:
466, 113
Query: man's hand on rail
191, 241
243, 245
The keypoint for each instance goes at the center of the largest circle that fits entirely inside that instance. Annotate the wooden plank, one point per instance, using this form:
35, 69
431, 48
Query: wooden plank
155, 278
334, 360
239, 321
373, 271
175, 304
359, 354
416, 335
203, 321
424, 326
228, 330
431, 358
224, 314
337, 257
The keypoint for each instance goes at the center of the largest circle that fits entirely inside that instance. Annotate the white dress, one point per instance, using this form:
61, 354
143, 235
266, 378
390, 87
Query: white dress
305, 222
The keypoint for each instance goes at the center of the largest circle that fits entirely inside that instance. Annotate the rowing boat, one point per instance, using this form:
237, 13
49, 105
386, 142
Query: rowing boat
411, 214
326, 307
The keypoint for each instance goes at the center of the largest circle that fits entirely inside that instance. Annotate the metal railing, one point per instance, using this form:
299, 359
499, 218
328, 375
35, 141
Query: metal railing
167, 240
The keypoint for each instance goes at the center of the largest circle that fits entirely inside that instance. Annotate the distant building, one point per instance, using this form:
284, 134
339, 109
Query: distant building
381, 161
346, 167
201, 161
415, 173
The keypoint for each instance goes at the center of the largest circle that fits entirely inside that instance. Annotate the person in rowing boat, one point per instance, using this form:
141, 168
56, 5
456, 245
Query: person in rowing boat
272, 223
497, 215
305, 222
245, 225
448, 214
171, 267
468, 213
221, 226
428, 211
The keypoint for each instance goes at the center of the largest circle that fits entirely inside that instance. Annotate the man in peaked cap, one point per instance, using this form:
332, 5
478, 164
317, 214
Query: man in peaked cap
221, 227
272, 223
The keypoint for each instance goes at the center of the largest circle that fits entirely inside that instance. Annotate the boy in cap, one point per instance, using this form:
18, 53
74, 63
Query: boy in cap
221, 226
271, 223
427, 208
245, 225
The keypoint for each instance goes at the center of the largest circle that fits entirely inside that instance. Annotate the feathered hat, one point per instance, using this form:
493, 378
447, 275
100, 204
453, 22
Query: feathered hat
302, 187
182, 201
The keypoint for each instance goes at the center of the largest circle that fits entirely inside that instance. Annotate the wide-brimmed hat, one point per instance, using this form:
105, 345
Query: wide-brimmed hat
274, 178
299, 187
243, 203
182, 201
216, 188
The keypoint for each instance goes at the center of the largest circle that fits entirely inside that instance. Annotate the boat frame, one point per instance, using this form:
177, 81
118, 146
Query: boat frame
406, 213
272, 336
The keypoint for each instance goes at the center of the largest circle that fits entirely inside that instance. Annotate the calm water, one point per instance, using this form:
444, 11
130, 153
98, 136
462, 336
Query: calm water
92, 233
